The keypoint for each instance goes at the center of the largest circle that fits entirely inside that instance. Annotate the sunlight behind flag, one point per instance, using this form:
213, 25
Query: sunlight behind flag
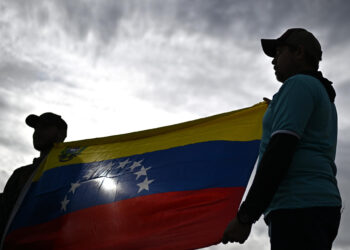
173, 187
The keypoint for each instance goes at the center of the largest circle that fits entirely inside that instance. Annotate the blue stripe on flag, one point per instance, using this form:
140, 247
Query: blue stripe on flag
192, 167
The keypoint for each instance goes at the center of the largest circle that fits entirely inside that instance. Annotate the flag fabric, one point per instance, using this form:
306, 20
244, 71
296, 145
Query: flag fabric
173, 187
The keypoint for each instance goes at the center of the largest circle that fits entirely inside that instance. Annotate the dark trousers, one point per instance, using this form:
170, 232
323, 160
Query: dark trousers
304, 228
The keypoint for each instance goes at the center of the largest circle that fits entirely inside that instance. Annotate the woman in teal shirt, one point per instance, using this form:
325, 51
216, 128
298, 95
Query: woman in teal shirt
295, 185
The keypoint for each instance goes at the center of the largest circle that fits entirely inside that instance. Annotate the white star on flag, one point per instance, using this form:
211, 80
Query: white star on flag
73, 187
64, 203
122, 164
136, 164
144, 185
143, 171
89, 174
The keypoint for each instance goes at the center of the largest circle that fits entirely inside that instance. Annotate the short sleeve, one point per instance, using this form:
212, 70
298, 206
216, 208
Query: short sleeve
293, 106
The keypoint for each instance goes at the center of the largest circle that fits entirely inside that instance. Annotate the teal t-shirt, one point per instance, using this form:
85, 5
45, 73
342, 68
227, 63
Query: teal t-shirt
301, 107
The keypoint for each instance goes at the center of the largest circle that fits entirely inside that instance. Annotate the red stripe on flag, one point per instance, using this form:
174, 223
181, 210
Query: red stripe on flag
176, 220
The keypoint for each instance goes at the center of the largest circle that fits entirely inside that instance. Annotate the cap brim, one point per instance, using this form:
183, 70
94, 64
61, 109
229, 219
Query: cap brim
32, 120
269, 46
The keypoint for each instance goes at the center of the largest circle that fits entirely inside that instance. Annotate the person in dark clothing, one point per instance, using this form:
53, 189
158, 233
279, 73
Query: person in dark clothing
295, 185
49, 128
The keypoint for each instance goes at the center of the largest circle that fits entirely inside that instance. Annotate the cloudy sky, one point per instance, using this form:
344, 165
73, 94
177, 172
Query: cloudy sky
111, 67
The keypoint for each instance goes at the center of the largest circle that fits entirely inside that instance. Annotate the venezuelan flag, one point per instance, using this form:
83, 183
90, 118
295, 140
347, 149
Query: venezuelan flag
173, 187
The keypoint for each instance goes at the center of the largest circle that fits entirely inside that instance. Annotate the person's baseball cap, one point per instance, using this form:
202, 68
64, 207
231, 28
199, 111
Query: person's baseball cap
294, 37
46, 119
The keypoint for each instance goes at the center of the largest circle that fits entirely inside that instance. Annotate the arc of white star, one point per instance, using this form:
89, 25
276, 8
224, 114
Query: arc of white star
73, 187
143, 171
64, 203
108, 166
144, 185
136, 164
122, 164
88, 174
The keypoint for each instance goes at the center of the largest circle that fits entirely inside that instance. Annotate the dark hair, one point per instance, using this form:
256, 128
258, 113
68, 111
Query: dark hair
309, 59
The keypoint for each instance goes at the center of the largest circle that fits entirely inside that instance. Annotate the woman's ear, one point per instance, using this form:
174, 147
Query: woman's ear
300, 52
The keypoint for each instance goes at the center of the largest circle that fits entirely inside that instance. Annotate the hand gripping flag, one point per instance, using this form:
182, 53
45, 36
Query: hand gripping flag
173, 187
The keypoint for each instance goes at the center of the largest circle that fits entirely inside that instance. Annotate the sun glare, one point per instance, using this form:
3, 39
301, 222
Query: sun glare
109, 184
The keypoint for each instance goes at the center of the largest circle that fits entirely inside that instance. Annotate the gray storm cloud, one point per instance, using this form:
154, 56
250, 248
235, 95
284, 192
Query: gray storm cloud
224, 19
201, 56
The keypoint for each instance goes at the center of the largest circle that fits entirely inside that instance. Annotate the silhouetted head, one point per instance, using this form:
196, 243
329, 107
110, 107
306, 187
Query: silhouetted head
297, 50
49, 128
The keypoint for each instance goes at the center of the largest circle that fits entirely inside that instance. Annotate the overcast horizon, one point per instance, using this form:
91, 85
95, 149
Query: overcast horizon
113, 67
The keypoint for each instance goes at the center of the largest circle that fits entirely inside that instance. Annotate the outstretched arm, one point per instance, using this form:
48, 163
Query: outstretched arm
270, 172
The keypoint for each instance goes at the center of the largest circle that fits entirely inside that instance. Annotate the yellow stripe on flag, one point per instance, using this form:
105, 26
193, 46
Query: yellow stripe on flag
239, 125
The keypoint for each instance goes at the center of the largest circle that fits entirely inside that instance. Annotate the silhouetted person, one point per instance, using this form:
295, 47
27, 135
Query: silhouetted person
295, 185
49, 128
